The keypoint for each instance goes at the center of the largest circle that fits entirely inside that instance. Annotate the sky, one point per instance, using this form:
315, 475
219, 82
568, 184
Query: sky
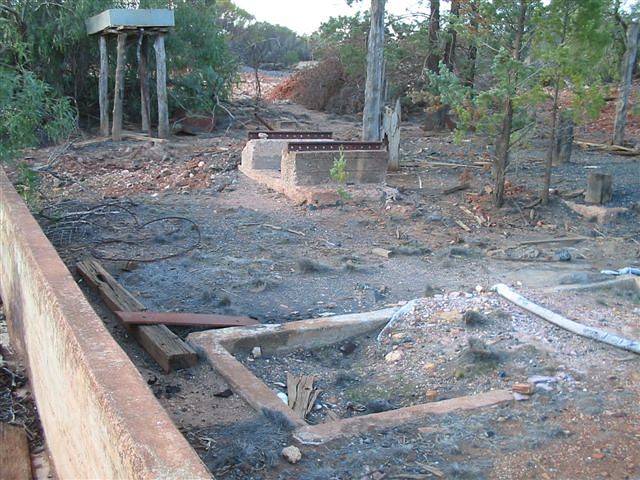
305, 16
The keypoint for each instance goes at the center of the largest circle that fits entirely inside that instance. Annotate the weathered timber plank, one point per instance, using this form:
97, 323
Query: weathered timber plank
184, 319
15, 462
162, 344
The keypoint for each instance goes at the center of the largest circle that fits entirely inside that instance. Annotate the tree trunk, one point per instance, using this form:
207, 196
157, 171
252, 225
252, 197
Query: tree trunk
433, 60
373, 86
470, 77
161, 87
118, 91
625, 83
103, 87
552, 143
504, 141
450, 48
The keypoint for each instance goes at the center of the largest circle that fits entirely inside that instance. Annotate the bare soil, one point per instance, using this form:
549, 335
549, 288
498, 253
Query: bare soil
183, 230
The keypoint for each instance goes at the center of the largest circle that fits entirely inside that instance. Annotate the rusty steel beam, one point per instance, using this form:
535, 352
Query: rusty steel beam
288, 134
184, 319
333, 146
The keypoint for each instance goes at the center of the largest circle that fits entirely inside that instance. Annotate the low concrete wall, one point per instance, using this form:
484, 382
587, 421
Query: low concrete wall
313, 167
99, 417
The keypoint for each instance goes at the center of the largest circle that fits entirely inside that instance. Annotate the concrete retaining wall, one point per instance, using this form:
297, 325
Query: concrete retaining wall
313, 167
99, 417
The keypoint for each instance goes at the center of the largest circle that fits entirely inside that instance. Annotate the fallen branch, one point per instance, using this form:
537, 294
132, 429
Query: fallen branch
562, 322
555, 240
615, 149
457, 188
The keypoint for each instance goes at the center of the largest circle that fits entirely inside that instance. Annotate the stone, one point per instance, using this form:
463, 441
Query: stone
394, 356
473, 318
292, 454
256, 352
431, 395
429, 367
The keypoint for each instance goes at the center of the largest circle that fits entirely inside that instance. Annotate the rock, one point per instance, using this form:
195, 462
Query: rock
224, 394
459, 252
523, 388
394, 356
292, 454
256, 352
564, 255
472, 318
376, 406
348, 347
283, 396
429, 367
431, 395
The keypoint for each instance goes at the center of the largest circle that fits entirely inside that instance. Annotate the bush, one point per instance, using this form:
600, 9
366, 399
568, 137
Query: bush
31, 113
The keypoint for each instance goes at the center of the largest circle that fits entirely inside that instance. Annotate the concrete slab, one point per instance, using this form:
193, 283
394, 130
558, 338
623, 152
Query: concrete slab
99, 417
219, 346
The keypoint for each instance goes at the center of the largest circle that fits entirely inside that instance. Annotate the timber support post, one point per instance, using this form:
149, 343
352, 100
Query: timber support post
143, 73
118, 90
161, 86
103, 86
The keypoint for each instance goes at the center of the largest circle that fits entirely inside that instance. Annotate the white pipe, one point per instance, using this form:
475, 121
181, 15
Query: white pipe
570, 325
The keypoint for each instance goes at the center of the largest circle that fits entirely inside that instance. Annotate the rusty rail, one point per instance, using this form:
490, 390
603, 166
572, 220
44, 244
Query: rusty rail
288, 134
333, 146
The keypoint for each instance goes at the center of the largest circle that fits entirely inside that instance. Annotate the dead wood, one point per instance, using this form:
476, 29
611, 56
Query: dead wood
162, 344
554, 240
15, 462
457, 188
302, 395
614, 149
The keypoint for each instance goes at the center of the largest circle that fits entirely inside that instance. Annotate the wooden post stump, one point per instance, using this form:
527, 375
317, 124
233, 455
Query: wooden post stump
599, 188
564, 140
103, 87
391, 128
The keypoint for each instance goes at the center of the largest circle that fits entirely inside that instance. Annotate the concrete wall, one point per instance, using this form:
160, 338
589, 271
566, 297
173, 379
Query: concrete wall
263, 154
99, 417
312, 168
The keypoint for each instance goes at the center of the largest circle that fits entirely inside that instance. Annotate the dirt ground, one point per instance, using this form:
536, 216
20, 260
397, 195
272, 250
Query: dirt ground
183, 230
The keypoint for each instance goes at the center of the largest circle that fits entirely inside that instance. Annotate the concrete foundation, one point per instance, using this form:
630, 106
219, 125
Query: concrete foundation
219, 345
263, 154
99, 417
313, 168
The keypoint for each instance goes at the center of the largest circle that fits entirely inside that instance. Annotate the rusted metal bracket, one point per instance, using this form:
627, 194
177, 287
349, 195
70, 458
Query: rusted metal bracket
333, 146
286, 134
